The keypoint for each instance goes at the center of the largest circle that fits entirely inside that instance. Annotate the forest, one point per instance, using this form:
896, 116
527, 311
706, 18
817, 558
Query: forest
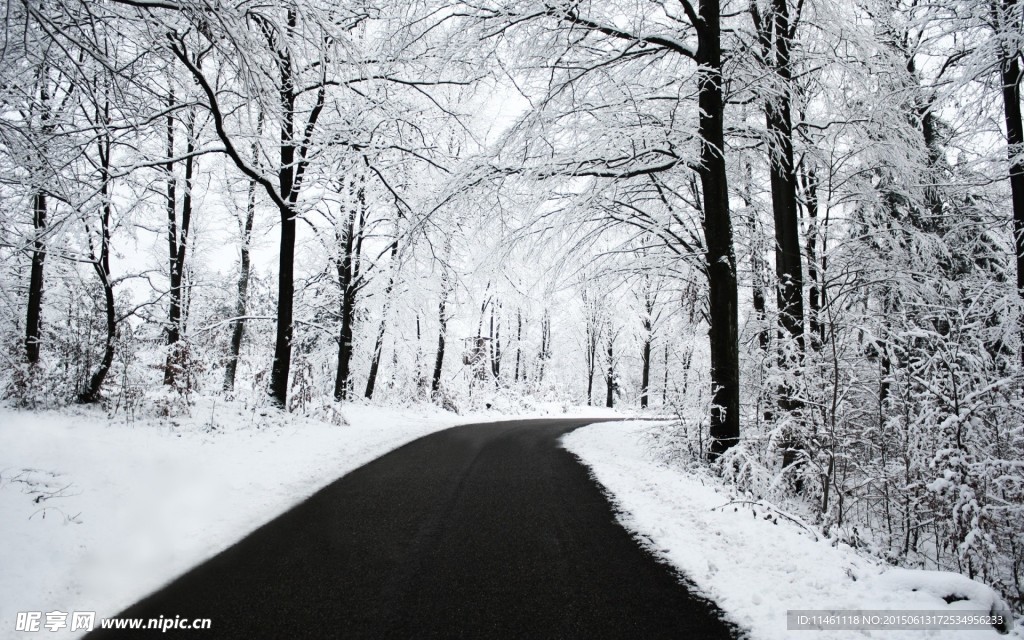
797, 226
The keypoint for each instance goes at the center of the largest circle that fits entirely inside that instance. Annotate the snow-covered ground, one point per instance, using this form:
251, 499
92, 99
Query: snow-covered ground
752, 561
94, 513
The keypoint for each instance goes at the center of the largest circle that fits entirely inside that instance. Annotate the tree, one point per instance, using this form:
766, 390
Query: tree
178, 228
100, 115
447, 289
776, 30
245, 226
1007, 24
594, 325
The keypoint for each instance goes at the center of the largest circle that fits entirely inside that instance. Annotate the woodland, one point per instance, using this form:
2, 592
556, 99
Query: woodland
795, 226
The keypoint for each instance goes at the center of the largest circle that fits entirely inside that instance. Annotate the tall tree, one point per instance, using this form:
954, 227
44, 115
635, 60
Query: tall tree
245, 225
1007, 23
349, 237
99, 113
178, 228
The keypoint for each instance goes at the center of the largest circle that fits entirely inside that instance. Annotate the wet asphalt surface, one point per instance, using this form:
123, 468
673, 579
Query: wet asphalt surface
480, 531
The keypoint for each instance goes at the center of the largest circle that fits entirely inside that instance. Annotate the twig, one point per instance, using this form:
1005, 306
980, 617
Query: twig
795, 520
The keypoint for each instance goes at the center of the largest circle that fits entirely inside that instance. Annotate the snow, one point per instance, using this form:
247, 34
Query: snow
752, 561
97, 512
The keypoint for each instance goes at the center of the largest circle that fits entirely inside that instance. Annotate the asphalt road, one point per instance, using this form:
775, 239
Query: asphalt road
481, 531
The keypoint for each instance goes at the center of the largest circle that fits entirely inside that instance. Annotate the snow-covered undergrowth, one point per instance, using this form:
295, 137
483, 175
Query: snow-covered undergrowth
751, 559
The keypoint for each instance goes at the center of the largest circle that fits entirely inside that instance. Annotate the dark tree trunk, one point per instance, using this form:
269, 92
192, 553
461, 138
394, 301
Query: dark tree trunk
101, 264
348, 282
1010, 76
495, 332
763, 336
664, 382
92, 391
778, 114
421, 378
378, 348
545, 344
34, 314
33, 319
378, 345
592, 339
721, 261
285, 292
645, 376
341, 382
775, 34
519, 341
442, 317
650, 299
609, 376
177, 240
242, 303
171, 333
932, 193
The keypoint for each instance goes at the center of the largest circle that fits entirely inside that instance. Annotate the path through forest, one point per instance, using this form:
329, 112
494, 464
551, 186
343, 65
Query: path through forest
480, 531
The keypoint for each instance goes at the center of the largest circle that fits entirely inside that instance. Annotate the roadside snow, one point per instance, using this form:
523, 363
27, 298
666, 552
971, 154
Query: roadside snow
752, 562
94, 513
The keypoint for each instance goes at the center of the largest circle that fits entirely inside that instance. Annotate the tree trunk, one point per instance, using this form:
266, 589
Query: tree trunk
421, 378
664, 382
721, 261
33, 320
442, 317
33, 317
778, 116
609, 377
545, 344
378, 345
91, 393
348, 281
171, 332
495, 331
101, 264
341, 382
177, 245
645, 377
775, 45
286, 257
241, 304
285, 292
814, 294
591, 360
1010, 76
519, 342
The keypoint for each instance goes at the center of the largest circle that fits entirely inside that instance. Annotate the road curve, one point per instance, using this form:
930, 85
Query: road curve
480, 531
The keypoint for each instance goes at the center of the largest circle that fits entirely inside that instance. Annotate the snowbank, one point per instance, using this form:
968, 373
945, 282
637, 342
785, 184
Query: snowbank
754, 562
